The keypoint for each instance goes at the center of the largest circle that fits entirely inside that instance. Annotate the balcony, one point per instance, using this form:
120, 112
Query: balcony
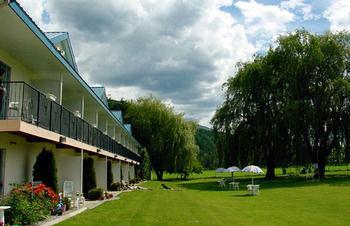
22, 101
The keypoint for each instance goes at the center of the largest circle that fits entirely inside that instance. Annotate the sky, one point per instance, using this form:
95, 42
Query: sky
178, 51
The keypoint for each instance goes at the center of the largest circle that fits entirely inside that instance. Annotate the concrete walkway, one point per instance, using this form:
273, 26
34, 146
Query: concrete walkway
52, 220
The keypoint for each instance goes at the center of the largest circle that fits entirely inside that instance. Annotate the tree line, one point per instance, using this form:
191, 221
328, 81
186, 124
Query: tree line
290, 106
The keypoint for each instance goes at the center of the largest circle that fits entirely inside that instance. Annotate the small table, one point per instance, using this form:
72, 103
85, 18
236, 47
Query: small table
2, 214
234, 185
253, 189
221, 183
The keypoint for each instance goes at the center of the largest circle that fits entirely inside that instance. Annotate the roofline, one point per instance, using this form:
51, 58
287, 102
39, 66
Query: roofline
64, 36
15, 6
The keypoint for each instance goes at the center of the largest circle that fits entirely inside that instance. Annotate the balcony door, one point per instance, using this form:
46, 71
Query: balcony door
4, 77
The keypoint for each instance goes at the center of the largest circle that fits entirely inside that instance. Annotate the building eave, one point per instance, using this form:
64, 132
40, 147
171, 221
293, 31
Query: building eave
20, 12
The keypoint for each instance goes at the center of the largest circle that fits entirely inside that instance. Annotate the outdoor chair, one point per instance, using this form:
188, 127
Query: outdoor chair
222, 184
77, 199
234, 185
253, 189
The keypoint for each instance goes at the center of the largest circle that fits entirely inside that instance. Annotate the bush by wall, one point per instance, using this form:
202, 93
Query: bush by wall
143, 170
29, 204
89, 175
95, 194
117, 186
45, 170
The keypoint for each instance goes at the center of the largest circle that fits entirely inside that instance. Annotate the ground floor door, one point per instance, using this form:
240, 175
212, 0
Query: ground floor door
2, 170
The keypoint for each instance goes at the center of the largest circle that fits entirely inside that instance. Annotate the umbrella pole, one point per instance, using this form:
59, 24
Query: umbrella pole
253, 180
232, 175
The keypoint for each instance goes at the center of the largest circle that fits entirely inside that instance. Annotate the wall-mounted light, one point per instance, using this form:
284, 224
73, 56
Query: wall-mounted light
62, 139
115, 156
98, 150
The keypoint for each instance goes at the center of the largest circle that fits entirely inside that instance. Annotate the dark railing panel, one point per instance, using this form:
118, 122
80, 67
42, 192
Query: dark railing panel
85, 132
20, 100
30, 105
55, 117
91, 134
65, 122
79, 129
11, 100
72, 126
44, 112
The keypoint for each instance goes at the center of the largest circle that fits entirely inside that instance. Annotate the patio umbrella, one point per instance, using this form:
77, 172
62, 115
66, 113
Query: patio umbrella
220, 170
233, 169
252, 169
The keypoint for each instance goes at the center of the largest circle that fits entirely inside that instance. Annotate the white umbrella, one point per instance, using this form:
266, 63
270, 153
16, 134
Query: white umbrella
252, 169
220, 170
233, 169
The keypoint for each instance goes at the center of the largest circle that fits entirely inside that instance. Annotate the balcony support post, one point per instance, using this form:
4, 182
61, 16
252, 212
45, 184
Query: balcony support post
81, 169
61, 89
82, 107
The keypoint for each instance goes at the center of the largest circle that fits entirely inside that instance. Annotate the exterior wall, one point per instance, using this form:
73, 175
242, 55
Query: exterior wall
68, 164
49, 86
91, 116
16, 152
102, 123
116, 170
132, 171
73, 103
20, 157
101, 172
18, 71
125, 171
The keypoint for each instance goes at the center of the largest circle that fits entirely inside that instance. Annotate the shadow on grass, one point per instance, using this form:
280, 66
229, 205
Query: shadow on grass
281, 182
243, 195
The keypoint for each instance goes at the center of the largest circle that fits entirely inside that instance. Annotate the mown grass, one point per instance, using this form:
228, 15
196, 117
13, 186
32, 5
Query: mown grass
289, 200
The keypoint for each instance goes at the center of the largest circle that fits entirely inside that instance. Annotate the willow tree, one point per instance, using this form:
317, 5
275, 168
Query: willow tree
169, 140
291, 105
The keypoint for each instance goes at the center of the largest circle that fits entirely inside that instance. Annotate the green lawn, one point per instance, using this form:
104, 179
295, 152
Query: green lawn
200, 201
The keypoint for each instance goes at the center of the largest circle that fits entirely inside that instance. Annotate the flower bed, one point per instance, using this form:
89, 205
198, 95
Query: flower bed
29, 204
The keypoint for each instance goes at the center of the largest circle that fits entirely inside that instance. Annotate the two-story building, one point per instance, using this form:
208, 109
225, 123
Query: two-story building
45, 103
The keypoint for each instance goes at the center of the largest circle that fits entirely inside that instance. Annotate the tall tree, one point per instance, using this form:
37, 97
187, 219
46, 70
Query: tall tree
169, 140
290, 106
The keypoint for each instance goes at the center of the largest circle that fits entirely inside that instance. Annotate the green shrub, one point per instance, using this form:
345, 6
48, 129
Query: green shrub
29, 205
117, 186
66, 201
143, 170
45, 170
95, 194
109, 175
89, 175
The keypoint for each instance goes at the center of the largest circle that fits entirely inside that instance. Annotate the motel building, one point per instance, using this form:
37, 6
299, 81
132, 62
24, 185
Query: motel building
45, 104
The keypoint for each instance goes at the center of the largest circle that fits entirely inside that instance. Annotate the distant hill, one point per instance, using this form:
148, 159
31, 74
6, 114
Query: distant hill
207, 150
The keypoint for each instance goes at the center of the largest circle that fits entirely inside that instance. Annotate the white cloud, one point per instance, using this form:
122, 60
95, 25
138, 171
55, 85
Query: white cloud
338, 15
262, 21
301, 7
180, 51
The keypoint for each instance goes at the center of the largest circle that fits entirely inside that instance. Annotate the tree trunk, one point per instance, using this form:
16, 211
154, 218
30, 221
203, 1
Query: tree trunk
159, 175
321, 169
270, 161
270, 172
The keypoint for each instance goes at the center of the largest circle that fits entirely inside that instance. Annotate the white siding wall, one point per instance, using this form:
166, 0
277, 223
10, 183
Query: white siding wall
20, 157
101, 173
18, 71
125, 170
